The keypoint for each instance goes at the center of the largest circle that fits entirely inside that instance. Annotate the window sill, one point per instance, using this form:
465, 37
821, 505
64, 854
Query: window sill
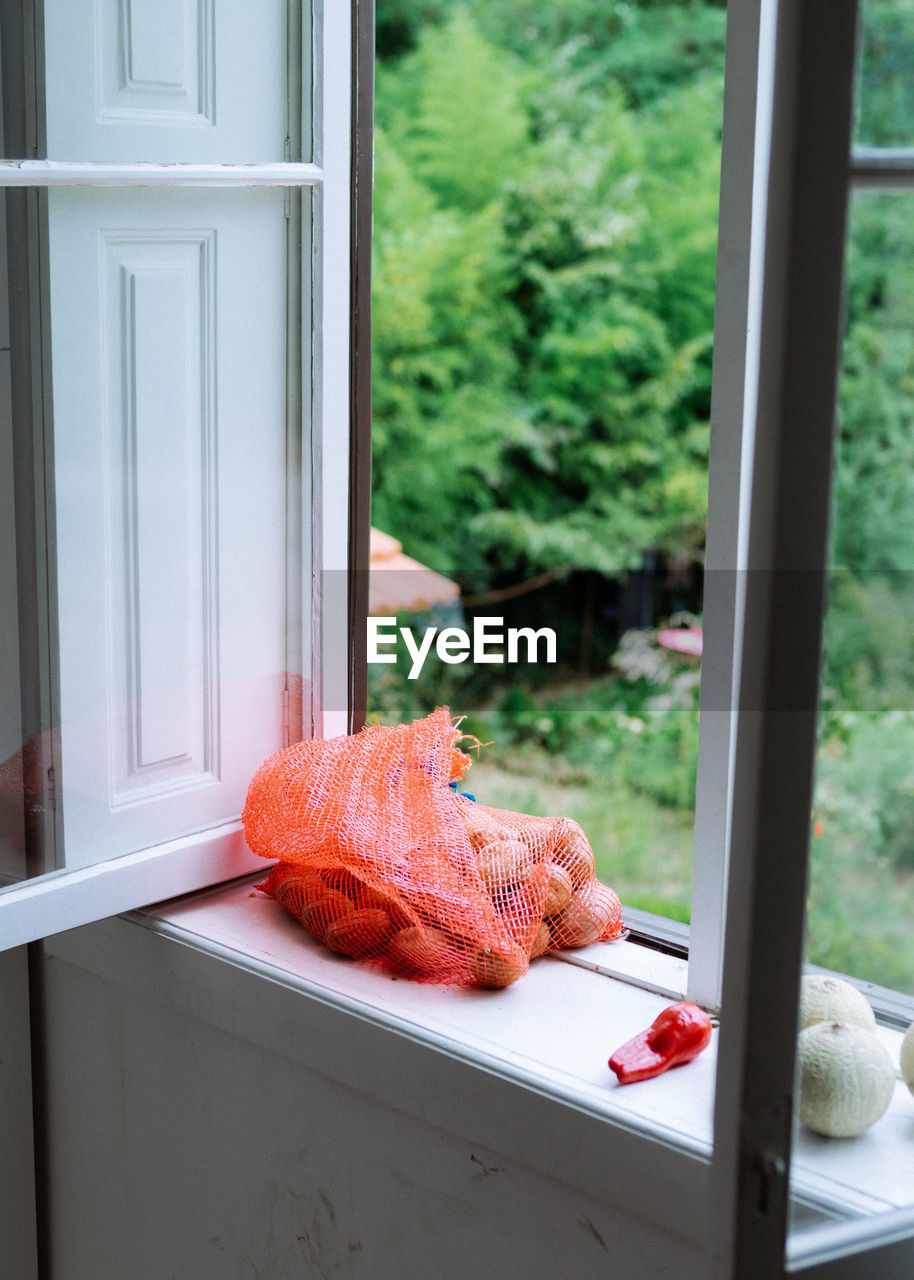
523, 1071
553, 1031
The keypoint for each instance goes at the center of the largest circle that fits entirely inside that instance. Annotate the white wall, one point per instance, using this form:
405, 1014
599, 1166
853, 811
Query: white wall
179, 1148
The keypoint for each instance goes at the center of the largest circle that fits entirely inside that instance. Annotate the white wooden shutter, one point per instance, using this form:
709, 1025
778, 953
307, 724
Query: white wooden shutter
167, 80
168, 324
199, 377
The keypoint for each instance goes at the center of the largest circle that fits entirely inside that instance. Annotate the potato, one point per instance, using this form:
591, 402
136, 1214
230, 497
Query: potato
542, 940
361, 932
558, 895
590, 913
608, 901
365, 895
572, 851
482, 824
325, 910
496, 967
502, 863
446, 908
421, 950
297, 888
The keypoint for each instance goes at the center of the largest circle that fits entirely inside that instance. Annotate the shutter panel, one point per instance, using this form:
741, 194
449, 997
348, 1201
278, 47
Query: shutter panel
168, 340
166, 80
169, 403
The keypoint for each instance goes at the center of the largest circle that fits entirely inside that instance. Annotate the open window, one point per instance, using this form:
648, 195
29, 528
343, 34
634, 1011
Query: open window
182, 588
786, 169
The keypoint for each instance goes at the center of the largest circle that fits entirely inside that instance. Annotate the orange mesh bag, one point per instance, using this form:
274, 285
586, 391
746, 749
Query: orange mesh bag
380, 859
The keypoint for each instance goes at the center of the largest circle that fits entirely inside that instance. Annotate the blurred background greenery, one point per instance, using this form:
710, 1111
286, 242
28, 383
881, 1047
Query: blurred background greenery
544, 262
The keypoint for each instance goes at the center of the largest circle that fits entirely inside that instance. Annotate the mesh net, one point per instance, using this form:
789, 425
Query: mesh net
382, 861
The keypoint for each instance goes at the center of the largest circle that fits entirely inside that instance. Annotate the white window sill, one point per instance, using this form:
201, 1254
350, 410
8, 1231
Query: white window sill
549, 1035
554, 1029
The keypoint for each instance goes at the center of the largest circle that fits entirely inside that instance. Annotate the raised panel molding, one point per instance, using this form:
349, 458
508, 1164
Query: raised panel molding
156, 61
159, 359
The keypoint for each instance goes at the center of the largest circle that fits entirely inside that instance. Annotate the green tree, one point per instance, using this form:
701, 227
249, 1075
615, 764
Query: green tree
456, 109
444, 366
885, 100
614, 353
544, 293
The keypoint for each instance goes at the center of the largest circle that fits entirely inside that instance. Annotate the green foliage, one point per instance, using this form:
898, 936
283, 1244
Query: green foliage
646, 48
443, 408
456, 108
866, 786
546, 210
874, 482
861, 897
885, 104
398, 22
544, 282
869, 645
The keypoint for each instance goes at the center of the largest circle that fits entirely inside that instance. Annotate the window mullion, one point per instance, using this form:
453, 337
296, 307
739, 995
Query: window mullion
780, 643
882, 168
747, 116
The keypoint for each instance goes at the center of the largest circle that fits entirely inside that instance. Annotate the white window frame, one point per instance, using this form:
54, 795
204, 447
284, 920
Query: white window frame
804, 54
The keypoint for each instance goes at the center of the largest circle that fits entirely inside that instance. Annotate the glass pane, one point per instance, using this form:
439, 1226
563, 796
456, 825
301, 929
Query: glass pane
885, 112
852, 1152
545, 238
862, 868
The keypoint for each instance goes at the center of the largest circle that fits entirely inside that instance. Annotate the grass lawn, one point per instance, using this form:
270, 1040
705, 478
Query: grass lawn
860, 907
643, 850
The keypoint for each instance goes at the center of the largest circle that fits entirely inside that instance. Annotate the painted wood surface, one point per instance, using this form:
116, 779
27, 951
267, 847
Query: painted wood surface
171, 80
217, 1154
168, 312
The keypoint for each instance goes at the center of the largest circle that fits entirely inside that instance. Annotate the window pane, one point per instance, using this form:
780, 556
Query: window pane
885, 115
862, 866
545, 237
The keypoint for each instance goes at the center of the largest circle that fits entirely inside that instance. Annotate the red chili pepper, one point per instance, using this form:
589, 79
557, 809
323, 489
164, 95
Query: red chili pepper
675, 1036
